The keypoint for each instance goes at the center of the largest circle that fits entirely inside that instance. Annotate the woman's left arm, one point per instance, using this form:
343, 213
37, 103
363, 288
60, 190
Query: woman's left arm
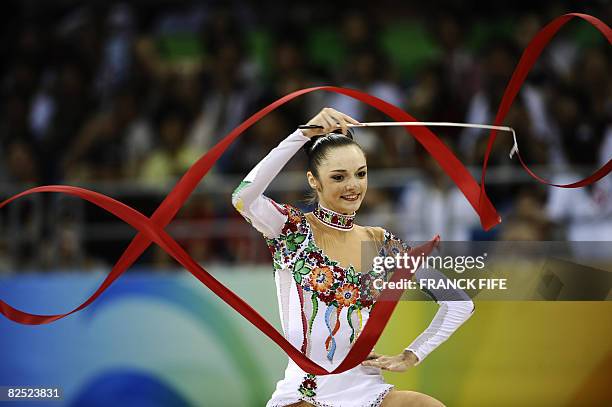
455, 307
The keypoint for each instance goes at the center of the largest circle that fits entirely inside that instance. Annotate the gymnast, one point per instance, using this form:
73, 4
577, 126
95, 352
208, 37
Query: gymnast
319, 277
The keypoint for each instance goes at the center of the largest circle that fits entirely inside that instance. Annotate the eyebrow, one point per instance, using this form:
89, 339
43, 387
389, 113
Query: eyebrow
363, 166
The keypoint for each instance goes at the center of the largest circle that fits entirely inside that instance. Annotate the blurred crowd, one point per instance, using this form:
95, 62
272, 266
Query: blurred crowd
135, 92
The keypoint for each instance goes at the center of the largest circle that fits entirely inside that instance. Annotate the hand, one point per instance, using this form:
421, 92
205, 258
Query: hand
397, 363
329, 119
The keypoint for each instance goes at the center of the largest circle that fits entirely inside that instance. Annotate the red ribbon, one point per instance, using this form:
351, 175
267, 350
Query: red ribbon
152, 229
528, 59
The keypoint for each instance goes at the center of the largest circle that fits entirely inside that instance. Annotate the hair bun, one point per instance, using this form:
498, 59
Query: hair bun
310, 143
349, 133
315, 140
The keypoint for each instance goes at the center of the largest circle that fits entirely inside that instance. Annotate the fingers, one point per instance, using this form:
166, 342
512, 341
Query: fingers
390, 363
396, 367
328, 122
341, 115
373, 355
343, 125
342, 119
376, 360
349, 118
375, 363
330, 119
324, 121
337, 119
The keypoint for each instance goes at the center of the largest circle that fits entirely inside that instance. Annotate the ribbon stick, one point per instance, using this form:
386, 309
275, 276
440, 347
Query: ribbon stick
152, 229
390, 124
444, 124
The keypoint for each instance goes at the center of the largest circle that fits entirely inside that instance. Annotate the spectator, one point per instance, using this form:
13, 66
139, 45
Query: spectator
172, 156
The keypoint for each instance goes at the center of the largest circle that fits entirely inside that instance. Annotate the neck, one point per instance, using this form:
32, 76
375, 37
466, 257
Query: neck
334, 219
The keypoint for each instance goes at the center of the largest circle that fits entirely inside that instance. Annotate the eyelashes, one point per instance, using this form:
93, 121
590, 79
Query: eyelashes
360, 174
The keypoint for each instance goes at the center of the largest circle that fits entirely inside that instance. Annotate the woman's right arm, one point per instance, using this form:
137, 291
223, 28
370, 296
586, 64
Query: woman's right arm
260, 211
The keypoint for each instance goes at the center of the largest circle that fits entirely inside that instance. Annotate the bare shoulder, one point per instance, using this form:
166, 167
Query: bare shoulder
376, 231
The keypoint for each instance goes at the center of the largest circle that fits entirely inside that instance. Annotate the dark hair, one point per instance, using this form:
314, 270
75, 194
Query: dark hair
317, 149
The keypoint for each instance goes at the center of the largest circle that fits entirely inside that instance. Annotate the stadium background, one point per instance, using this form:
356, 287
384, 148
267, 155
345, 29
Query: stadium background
122, 97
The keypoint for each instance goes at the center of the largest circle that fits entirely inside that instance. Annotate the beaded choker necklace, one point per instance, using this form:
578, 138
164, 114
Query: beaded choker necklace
334, 219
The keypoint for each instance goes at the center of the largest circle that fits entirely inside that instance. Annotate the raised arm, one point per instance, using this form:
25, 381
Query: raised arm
260, 211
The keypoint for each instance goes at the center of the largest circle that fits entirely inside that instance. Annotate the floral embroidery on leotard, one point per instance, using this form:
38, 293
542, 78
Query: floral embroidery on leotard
320, 279
316, 403
308, 387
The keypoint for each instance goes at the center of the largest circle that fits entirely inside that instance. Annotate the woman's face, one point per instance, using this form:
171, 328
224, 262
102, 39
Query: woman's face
343, 179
